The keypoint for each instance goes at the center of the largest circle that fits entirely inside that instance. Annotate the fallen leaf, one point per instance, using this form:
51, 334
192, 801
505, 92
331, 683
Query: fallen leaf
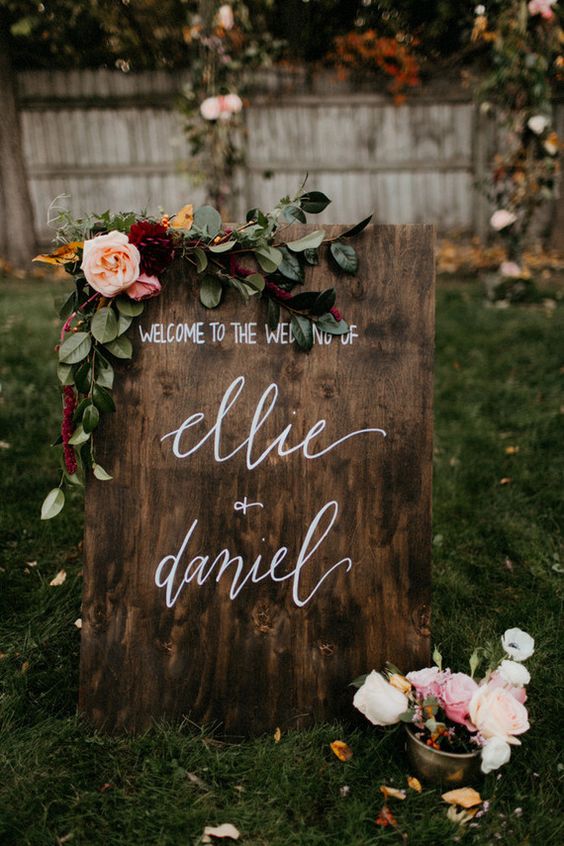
414, 784
195, 779
58, 579
505, 481
278, 735
344, 791
78, 623
392, 792
25, 667
466, 797
31, 563
5, 445
62, 255
225, 830
342, 750
511, 450
461, 817
385, 817
184, 218
65, 839
105, 787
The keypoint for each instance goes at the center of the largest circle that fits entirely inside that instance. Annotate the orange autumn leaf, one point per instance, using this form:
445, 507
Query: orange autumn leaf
385, 817
392, 792
184, 218
342, 750
278, 735
414, 784
465, 797
62, 255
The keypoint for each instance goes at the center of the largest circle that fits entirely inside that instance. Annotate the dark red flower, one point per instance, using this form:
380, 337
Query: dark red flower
154, 244
67, 428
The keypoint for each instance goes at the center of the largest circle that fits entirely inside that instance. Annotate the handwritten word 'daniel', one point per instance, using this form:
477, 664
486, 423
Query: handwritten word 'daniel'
201, 567
263, 410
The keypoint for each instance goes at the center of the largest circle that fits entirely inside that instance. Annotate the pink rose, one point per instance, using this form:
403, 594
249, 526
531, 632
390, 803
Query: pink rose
496, 713
543, 8
144, 288
517, 691
210, 108
510, 269
110, 263
501, 219
427, 682
457, 691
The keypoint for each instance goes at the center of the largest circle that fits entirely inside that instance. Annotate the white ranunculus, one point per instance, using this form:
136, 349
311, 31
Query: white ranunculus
514, 673
538, 124
495, 754
518, 644
379, 701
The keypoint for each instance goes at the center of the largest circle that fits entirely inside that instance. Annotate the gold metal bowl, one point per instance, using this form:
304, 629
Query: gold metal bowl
437, 767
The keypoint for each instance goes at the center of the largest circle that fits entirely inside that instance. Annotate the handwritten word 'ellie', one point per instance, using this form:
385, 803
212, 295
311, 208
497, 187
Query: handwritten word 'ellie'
264, 409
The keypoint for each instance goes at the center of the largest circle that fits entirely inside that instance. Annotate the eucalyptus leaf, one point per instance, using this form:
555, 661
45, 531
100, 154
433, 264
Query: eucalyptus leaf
210, 291
302, 332
104, 325
309, 242
327, 323
256, 281
79, 410
121, 347
201, 259
68, 306
311, 256
345, 256
102, 399
314, 202
290, 266
357, 229
268, 257
79, 436
273, 314
100, 473
124, 323
65, 374
207, 220
129, 307
82, 377
90, 418
222, 248
407, 716
359, 681
52, 504
75, 348
324, 302
305, 300
292, 213
105, 374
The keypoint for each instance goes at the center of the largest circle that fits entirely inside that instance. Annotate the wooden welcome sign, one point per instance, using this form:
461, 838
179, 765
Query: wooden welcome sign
266, 537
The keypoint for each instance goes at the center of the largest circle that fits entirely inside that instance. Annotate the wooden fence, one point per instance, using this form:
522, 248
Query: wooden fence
113, 140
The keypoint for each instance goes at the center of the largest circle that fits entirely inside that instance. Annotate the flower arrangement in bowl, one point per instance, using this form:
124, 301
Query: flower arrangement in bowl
455, 721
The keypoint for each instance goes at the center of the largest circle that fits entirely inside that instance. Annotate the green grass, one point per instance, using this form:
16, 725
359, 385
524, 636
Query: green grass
496, 565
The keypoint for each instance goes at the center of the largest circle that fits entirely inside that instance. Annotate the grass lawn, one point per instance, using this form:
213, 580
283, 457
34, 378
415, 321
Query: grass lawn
496, 565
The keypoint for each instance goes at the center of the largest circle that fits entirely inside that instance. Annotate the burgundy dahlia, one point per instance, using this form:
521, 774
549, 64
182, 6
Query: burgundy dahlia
154, 244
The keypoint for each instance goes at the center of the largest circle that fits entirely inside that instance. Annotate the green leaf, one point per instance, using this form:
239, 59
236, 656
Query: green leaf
357, 229
74, 479
324, 302
128, 307
327, 323
311, 256
438, 658
273, 314
305, 300
359, 681
268, 257
302, 331
314, 202
52, 504
79, 436
207, 220
100, 473
292, 213
309, 242
90, 418
245, 290
201, 259
407, 716
345, 256
102, 399
68, 306
75, 348
82, 377
290, 266
65, 374
104, 374
475, 661
210, 291
104, 325
79, 410
121, 347
222, 248
124, 323
256, 280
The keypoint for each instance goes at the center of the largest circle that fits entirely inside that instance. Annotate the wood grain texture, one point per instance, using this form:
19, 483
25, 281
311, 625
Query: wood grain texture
260, 661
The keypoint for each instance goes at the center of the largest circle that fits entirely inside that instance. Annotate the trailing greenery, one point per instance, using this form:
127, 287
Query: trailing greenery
496, 565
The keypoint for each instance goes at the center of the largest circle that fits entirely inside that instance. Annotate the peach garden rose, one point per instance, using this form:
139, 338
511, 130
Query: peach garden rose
497, 713
110, 263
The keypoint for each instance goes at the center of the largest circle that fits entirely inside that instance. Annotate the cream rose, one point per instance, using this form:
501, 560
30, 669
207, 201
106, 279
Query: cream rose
495, 754
110, 263
379, 701
496, 713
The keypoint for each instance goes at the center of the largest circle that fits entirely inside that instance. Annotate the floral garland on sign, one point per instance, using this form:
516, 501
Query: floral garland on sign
119, 260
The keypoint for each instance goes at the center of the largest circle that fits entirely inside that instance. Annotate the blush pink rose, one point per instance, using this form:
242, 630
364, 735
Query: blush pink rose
144, 288
110, 263
517, 691
427, 682
543, 8
501, 219
457, 691
496, 713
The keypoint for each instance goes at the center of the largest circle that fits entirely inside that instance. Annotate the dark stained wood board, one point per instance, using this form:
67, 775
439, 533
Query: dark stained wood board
260, 660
